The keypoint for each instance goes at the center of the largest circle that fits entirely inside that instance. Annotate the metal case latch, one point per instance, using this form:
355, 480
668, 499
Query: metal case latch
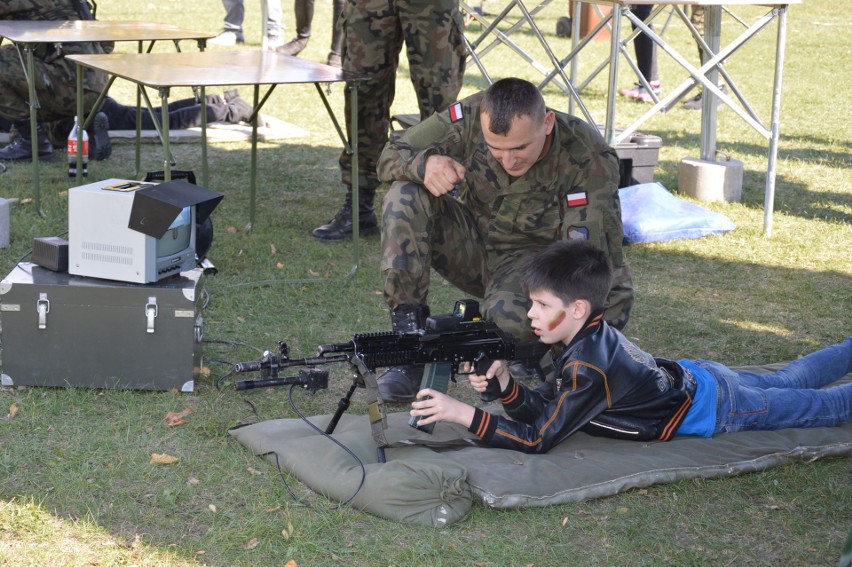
43, 308
151, 311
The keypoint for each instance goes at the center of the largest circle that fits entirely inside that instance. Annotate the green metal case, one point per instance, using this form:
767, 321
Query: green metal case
62, 330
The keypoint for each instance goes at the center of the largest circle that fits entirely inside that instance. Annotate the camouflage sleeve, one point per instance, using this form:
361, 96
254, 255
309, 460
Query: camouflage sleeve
598, 180
404, 156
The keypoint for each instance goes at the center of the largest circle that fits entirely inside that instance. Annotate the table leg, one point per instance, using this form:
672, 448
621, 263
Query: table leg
28, 49
769, 195
167, 152
140, 47
712, 35
356, 244
80, 123
609, 127
202, 100
253, 183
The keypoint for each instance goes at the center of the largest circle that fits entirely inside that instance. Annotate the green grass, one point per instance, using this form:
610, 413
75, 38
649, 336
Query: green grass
76, 484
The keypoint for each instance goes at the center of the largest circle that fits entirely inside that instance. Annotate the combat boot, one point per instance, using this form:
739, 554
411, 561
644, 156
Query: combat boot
340, 226
401, 383
21, 149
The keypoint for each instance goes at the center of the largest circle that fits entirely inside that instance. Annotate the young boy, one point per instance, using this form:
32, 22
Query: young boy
609, 387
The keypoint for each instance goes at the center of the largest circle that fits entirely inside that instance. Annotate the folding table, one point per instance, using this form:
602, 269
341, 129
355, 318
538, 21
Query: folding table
164, 71
27, 35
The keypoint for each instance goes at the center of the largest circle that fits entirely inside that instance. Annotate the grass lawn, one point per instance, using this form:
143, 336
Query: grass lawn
76, 483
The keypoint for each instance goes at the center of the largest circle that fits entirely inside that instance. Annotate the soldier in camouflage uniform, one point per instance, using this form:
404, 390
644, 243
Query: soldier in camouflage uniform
56, 78
375, 31
525, 176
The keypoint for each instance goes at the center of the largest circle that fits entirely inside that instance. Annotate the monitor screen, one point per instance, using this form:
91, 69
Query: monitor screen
177, 237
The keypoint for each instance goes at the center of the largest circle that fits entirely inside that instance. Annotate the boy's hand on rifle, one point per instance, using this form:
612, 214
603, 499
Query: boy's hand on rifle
497, 371
433, 406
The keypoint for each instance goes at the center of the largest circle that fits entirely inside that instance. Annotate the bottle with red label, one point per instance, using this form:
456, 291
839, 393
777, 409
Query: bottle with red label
72, 151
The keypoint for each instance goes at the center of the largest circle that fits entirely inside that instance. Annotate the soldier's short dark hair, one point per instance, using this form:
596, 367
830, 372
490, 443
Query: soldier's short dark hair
508, 98
570, 270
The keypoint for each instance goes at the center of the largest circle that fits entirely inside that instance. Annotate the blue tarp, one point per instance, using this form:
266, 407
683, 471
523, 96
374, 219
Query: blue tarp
651, 214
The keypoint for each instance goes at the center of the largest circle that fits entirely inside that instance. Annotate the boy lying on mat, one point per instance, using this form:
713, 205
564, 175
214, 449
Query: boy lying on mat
609, 387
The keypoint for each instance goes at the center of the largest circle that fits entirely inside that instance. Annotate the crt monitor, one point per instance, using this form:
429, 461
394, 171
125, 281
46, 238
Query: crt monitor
134, 231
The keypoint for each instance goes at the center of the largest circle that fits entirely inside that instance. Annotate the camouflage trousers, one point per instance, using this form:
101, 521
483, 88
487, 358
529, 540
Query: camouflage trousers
421, 232
375, 31
56, 88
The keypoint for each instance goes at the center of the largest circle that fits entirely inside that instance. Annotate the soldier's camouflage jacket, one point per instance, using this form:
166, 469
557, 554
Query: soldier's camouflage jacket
572, 192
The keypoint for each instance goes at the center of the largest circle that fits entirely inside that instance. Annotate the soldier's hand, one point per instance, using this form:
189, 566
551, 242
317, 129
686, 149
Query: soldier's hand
442, 174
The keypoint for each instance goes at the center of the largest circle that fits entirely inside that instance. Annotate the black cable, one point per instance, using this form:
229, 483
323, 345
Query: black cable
336, 442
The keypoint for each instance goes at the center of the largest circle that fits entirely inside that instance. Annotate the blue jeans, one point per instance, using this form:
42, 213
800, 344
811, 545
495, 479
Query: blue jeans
789, 397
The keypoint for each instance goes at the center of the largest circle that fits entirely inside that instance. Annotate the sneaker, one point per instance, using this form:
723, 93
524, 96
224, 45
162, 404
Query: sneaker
226, 38
640, 94
695, 102
274, 42
100, 146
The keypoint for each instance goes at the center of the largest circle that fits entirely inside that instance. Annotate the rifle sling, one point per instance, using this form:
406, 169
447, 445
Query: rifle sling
375, 406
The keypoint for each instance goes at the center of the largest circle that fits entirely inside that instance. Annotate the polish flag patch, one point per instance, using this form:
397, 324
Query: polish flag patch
577, 199
456, 113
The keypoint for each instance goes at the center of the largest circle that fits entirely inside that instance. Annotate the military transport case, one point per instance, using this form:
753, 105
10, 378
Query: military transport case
63, 330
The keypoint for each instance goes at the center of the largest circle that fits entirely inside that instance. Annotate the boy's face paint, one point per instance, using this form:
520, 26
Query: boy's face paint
556, 321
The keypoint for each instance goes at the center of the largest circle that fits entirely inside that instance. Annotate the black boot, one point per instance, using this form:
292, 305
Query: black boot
401, 383
21, 149
340, 226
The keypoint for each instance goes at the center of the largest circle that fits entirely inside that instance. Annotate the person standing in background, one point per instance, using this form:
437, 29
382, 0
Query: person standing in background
235, 12
374, 32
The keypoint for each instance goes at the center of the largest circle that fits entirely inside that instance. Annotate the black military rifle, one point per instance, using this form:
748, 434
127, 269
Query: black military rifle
447, 342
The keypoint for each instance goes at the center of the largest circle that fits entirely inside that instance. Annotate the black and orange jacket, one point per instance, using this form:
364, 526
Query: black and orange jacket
607, 387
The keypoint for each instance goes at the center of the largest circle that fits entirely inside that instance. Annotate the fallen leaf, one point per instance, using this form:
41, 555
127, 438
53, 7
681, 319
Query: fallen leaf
623, 510
201, 372
564, 521
273, 250
241, 319
286, 535
192, 481
254, 542
270, 510
13, 411
313, 273
163, 459
252, 471
291, 563
200, 552
212, 508
173, 419
232, 230
27, 200
279, 265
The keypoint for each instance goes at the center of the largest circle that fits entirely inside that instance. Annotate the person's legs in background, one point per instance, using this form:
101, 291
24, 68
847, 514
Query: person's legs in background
232, 33
696, 17
304, 10
274, 24
646, 60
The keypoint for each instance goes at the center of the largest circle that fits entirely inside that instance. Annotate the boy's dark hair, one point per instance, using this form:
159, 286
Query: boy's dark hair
570, 270
509, 98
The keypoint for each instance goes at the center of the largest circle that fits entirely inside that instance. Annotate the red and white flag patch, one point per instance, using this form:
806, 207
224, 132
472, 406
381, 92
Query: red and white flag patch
577, 199
455, 111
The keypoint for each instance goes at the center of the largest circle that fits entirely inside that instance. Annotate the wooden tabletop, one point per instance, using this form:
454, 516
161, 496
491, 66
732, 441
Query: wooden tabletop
27, 31
214, 68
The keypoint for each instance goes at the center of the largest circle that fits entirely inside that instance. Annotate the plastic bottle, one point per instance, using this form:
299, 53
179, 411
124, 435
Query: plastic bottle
72, 151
